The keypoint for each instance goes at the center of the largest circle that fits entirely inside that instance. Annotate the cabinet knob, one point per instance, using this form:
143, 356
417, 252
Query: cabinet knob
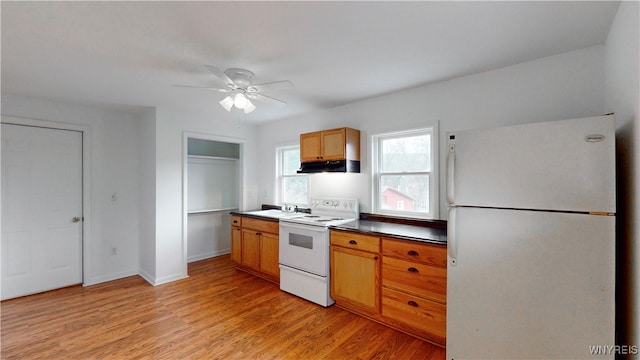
413, 270
413, 253
412, 303
353, 242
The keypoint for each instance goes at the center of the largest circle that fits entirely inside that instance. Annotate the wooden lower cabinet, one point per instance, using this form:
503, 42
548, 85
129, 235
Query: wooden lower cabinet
399, 283
416, 315
236, 244
414, 288
269, 254
251, 249
355, 280
255, 246
355, 271
429, 282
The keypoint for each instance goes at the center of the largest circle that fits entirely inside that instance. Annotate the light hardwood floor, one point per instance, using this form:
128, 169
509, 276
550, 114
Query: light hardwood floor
217, 313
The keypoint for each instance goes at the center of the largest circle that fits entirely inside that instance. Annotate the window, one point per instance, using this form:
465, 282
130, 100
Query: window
292, 188
404, 173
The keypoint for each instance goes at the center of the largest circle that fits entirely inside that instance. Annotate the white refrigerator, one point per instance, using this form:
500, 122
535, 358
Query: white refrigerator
531, 240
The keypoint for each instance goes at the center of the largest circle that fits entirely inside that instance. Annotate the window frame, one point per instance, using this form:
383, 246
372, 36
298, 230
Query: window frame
433, 174
280, 176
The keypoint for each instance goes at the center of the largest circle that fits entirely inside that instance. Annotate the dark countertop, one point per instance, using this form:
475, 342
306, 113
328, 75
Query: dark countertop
401, 231
249, 214
380, 228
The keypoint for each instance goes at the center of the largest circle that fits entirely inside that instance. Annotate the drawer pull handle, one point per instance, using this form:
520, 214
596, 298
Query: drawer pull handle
353, 242
413, 270
413, 253
258, 233
412, 303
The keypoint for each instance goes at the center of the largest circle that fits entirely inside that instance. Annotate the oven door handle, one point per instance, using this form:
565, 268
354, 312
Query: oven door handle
289, 225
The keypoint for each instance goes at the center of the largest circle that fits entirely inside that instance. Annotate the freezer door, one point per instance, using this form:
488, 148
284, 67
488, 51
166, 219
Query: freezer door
529, 284
566, 165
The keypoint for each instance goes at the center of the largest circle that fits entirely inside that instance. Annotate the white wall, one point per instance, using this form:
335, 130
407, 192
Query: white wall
147, 194
170, 226
568, 85
623, 98
114, 169
140, 158
208, 235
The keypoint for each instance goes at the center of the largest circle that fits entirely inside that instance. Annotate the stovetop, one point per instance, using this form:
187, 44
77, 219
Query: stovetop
318, 220
328, 211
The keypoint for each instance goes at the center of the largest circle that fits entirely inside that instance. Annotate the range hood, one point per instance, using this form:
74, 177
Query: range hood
335, 166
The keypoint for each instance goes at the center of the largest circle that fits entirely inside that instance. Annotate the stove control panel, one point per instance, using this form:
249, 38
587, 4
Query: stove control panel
338, 204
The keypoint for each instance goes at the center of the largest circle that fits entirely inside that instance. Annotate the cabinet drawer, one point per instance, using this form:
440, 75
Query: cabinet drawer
428, 318
355, 241
260, 225
236, 220
415, 278
415, 251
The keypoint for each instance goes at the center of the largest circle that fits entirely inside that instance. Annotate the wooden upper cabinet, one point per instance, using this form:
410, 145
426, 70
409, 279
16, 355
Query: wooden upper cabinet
334, 144
310, 149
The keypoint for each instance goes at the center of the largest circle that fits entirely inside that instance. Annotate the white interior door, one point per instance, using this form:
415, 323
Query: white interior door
41, 209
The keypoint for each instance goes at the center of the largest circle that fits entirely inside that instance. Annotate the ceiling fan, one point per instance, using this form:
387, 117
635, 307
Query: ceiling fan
242, 90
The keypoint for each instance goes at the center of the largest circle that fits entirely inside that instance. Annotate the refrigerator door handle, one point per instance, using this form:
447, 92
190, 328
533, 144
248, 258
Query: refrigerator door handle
451, 164
452, 244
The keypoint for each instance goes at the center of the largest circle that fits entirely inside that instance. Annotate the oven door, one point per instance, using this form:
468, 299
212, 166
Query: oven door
305, 247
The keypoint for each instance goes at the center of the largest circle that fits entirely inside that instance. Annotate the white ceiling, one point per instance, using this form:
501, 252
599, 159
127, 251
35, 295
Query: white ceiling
129, 54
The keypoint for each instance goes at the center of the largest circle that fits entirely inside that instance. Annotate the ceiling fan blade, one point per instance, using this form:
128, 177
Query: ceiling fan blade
204, 88
220, 74
266, 99
276, 85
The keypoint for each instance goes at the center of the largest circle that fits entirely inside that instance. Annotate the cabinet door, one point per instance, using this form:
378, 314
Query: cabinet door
310, 147
355, 279
269, 254
236, 244
333, 144
251, 249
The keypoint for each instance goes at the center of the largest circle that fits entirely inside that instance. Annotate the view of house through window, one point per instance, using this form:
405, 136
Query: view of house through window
292, 187
403, 173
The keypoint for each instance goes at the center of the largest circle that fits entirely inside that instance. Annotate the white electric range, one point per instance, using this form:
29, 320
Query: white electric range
304, 248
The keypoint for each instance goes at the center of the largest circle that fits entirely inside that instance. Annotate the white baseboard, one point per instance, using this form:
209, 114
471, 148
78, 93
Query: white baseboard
208, 255
150, 279
109, 277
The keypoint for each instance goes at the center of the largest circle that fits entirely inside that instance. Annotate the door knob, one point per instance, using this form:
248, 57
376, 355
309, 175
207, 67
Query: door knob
75, 219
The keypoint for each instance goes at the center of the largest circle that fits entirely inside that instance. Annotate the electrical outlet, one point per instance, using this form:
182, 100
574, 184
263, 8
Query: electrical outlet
114, 251
114, 196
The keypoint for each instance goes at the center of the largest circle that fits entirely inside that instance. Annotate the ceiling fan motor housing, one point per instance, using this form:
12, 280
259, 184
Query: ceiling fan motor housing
241, 77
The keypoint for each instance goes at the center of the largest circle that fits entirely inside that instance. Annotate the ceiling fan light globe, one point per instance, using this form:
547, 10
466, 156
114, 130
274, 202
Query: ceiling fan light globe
227, 103
240, 101
249, 107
